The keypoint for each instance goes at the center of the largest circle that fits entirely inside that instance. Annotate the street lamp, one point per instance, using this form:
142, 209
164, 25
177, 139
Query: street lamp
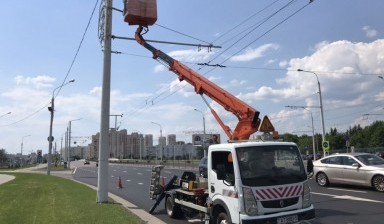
69, 141
205, 152
161, 138
321, 104
140, 137
50, 137
313, 129
5, 114
115, 134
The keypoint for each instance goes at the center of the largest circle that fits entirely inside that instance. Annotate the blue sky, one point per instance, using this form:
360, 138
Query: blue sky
342, 41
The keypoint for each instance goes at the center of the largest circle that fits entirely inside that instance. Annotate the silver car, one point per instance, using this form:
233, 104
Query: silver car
361, 169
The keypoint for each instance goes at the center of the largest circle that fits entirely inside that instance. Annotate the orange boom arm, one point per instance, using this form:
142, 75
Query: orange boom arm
248, 117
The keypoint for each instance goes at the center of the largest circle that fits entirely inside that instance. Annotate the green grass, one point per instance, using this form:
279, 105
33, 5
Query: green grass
37, 198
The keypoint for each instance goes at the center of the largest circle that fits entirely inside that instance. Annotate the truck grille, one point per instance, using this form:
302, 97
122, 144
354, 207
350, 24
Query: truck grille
281, 203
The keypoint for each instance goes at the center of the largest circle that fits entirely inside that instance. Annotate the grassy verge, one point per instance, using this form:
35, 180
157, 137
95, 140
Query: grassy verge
37, 198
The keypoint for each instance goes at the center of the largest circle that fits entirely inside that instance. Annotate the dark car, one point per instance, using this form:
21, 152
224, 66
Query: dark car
380, 154
203, 167
86, 162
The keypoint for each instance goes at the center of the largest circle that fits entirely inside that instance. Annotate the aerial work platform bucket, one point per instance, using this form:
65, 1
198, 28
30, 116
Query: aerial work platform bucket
140, 12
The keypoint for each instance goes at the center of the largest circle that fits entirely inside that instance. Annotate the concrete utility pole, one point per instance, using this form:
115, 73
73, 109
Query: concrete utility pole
102, 182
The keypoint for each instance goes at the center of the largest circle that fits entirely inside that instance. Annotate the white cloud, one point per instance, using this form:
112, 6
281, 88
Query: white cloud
96, 90
182, 88
159, 68
36, 82
237, 83
369, 32
251, 54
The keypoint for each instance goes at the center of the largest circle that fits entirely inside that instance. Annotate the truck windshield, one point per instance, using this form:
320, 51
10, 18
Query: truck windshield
270, 165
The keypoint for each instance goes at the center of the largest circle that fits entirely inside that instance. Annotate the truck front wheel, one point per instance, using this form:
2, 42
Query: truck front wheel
223, 218
173, 211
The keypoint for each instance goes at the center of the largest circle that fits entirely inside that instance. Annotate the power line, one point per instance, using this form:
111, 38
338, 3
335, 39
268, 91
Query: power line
256, 26
78, 48
67, 74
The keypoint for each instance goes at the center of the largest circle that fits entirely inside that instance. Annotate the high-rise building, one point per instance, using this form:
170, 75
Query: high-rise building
138, 146
171, 139
135, 145
148, 140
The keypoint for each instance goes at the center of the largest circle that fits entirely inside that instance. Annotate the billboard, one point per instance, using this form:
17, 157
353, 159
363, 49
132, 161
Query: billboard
208, 139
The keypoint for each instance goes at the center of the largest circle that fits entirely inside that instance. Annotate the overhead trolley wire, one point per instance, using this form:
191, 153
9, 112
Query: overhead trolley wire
236, 42
67, 74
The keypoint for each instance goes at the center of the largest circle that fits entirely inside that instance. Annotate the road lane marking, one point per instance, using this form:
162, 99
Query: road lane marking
348, 197
338, 189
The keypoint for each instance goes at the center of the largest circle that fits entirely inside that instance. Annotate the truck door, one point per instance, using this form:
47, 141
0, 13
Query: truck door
222, 182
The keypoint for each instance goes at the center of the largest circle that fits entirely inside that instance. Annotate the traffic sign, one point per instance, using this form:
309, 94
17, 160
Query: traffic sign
326, 146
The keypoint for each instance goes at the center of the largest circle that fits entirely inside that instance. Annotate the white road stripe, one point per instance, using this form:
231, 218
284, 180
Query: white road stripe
338, 189
348, 197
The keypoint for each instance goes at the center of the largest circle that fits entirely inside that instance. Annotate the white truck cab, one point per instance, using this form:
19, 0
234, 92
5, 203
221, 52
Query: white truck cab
258, 182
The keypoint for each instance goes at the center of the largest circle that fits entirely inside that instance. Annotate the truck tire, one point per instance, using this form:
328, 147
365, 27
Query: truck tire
223, 218
173, 211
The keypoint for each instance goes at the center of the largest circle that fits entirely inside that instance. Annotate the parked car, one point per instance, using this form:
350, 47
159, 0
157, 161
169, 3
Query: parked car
203, 167
361, 169
86, 162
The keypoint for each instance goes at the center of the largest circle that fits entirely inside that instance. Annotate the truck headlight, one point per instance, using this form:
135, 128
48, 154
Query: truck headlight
250, 204
306, 195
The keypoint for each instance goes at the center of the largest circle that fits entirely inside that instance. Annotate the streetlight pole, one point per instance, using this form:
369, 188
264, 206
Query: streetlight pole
5, 114
205, 152
161, 138
321, 104
313, 130
50, 137
69, 141
116, 140
22, 140
21, 151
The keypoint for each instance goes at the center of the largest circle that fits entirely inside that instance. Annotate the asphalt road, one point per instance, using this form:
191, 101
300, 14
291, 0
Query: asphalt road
335, 204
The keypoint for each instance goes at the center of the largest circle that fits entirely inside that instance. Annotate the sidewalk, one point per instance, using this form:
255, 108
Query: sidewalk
144, 215
4, 178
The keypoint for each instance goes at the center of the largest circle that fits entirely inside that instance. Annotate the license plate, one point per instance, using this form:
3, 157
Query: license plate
287, 219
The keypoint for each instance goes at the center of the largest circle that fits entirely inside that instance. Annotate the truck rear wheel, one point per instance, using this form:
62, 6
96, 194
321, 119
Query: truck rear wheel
173, 211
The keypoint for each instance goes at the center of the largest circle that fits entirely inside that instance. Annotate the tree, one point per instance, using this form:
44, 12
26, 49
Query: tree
3, 157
